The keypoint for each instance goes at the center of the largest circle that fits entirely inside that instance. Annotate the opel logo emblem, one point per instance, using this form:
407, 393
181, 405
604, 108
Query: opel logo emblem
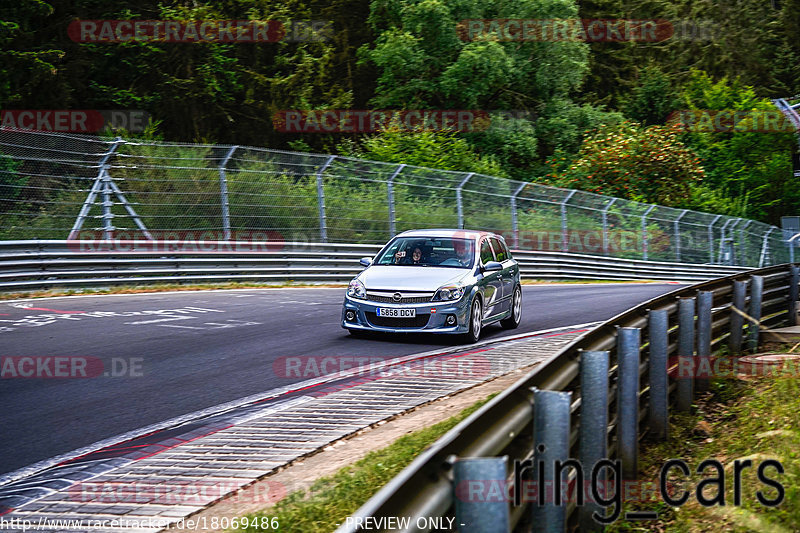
397, 297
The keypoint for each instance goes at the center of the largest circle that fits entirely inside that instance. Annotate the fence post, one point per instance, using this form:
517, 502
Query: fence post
732, 240
628, 343
722, 239
765, 248
737, 316
223, 192
564, 239
483, 516
756, 294
593, 430
658, 331
98, 187
743, 241
514, 222
108, 216
604, 214
390, 194
686, 359
323, 223
705, 302
677, 232
794, 288
644, 231
551, 427
711, 239
459, 202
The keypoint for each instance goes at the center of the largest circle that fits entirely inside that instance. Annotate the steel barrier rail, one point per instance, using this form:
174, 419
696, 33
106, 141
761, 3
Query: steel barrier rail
504, 426
42, 264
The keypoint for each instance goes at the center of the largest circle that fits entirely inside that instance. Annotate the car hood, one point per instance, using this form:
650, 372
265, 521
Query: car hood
410, 278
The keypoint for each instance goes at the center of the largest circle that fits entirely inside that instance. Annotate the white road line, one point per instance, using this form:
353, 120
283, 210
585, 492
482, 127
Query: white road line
162, 320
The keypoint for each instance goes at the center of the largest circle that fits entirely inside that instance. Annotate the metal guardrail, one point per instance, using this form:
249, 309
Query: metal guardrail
40, 264
609, 386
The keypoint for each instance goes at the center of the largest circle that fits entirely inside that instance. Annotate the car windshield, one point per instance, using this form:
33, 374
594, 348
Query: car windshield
421, 251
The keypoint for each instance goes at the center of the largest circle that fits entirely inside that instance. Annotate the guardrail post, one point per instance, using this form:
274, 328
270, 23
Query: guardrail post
483, 475
756, 294
737, 316
677, 233
628, 343
593, 430
644, 232
459, 201
390, 195
705, 301
711, 239
223, 193
686, 359
794, 289
323, 223
604, 214
514, 222
658, 331
564, 237
551, 420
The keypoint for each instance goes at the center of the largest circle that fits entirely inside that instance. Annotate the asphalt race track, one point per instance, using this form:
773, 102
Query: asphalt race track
151, 357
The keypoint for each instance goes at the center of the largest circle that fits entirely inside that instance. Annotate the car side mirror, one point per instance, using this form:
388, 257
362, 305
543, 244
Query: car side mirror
492, 266
365, 261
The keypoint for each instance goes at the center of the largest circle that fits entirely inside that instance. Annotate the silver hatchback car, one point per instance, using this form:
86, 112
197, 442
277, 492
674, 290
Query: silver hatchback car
436, 281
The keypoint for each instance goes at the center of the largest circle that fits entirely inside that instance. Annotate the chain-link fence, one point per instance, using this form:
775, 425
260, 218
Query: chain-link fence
57, 186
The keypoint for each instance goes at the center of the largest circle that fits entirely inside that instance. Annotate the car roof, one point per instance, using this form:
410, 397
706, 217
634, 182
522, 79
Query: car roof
435, 233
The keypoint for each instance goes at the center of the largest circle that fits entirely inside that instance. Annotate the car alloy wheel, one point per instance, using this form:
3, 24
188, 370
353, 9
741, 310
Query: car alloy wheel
516, 310
475, 321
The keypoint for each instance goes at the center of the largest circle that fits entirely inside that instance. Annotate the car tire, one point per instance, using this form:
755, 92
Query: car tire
357, 333
475, 322
514, 319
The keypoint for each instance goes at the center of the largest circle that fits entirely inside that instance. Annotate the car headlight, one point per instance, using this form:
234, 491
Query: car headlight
449, 293
356, 289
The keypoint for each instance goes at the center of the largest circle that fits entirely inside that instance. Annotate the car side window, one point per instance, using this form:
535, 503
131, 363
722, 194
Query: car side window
499, 249
508, 252
486, 252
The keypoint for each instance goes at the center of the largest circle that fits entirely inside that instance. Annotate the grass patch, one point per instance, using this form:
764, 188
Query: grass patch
755, 419
331, 499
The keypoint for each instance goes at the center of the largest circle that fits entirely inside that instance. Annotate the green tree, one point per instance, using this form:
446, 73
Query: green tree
750, 166
432, 149
646, 164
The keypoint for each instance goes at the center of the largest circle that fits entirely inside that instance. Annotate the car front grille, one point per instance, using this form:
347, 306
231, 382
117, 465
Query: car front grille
418, 321
388, 299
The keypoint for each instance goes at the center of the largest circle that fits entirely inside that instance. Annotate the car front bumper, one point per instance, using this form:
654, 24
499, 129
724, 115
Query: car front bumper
366, 320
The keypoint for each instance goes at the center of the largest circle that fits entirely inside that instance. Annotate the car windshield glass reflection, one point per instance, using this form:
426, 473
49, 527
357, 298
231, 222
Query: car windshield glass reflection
426, 252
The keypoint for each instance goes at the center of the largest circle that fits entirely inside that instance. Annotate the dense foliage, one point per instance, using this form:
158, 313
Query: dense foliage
598, 108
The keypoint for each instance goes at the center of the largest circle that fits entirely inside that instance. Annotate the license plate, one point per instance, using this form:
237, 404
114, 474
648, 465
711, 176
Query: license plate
397, 313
